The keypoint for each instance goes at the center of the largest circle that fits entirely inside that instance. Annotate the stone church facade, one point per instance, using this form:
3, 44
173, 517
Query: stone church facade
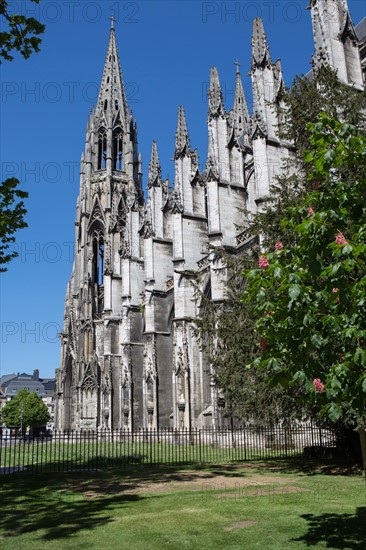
129, 356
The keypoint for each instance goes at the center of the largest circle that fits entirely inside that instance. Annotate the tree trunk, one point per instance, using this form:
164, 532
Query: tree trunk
362, 433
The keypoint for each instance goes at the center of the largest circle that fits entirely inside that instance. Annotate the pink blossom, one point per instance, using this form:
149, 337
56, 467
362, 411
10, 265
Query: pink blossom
335, 290
340, 238
318, 385
278, 246
311, 211
263, 263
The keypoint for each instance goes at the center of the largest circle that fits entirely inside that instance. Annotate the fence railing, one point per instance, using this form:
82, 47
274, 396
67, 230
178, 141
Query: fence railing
92, 450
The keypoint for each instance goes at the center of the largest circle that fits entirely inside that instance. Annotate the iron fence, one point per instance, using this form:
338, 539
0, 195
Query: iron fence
93, 450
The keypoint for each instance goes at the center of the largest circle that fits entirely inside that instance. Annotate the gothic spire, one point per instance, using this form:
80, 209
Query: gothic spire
112, 96
181, 136
260, 50
215, 99
240, 110
154, 177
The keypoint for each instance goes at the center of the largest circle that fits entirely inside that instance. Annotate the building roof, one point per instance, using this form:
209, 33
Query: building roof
49, 385
4, 379
12, 383
361, 29
28, 383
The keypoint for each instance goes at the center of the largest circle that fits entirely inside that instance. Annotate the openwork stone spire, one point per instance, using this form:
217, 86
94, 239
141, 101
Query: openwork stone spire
182, 146
112, 96
154, 177
215, 99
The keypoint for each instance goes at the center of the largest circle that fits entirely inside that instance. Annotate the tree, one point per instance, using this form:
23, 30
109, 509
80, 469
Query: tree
11, 217
226, 330
310, 298
22, 33
25, 409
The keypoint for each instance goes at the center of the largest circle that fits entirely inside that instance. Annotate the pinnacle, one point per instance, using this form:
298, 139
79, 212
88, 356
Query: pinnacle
154, 177
181, 137
241, 113
260, 48
215, 99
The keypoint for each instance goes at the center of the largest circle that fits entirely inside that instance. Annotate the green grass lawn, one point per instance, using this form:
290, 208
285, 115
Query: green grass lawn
273, 505
56, 455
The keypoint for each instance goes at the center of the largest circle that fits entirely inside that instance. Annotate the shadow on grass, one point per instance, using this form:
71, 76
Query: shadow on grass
38, 503
59, 505
309, 467
336, 530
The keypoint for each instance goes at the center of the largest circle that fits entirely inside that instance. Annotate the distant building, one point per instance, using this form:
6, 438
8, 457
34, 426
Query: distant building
11, 384
2, 401
49, 399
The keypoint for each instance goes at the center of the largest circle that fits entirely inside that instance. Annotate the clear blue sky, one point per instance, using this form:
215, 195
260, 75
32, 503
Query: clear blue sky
166, 51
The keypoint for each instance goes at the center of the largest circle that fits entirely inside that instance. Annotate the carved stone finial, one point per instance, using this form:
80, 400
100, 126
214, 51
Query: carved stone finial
154, 177
261, 56
112, 20
182, 146
215, 99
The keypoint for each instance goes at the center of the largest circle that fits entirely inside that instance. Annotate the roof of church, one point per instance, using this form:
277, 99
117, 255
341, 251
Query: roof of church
361, 29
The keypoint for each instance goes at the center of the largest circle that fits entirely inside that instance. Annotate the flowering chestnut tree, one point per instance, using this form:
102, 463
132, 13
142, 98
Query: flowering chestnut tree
310, 298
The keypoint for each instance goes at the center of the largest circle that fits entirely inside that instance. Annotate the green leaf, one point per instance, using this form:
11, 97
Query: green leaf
308, 320
277, 273
335, 384
316, 340
335, 268
329, 156
360, 356
294, 291
334, 412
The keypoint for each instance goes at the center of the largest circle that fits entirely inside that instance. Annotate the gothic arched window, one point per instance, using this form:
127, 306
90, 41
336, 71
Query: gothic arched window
117, 149
98, 256
102, 149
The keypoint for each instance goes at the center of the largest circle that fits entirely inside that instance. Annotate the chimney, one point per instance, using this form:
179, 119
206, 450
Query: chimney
36, 374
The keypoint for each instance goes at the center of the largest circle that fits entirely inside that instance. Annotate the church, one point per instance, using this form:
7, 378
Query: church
129, 355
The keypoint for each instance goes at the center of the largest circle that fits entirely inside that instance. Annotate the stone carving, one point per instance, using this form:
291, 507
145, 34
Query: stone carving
174, 203
146, 229
90, 382
108, 268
